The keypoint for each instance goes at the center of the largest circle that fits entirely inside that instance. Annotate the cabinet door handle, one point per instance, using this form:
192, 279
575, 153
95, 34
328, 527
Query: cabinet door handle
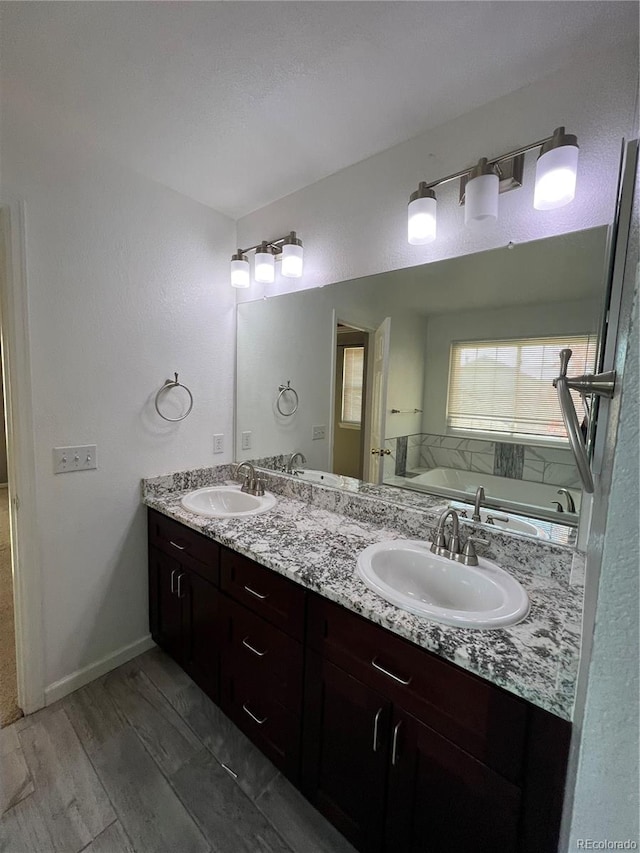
397, 678
180, 594
375, 729
252, 649
173, 574
257, 594
394, 748
175, 545
257, 720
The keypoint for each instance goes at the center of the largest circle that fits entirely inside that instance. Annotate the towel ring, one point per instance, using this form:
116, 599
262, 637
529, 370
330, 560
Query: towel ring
283, 389
169, 383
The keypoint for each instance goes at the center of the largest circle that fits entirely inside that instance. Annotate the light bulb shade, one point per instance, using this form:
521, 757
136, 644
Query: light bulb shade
421, 224
292, 255
556, 171
265, 269
240, 273
481, 195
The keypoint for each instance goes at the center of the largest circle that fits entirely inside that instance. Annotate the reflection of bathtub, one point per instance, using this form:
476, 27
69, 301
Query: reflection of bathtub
517, 495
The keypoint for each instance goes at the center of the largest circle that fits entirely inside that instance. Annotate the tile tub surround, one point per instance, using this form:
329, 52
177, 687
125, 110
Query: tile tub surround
307, 541
552, 465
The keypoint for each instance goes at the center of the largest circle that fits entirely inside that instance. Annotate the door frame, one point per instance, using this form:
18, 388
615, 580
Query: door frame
25, 552
366, 420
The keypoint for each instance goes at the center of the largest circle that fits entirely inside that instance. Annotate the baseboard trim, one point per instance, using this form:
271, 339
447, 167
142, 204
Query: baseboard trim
60, 689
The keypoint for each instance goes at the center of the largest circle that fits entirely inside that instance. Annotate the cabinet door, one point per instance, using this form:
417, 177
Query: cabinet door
346, 752
442, 800
165, 608
201, 631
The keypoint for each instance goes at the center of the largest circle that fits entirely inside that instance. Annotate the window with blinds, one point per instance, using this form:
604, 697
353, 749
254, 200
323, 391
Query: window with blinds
506, 386
352, 381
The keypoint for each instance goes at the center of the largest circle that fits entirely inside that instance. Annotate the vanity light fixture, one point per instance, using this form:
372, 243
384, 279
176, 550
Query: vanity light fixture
556, 171
287, 249
481, 193
480, 186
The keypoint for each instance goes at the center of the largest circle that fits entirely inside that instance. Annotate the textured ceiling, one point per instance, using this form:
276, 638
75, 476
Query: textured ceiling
236, 104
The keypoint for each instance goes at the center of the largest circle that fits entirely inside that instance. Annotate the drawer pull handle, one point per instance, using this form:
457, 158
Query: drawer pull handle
251, 648
229, 770
257, 720
397, 678
173, 574
394, 749
257, 594
375, 730
175, 545
180, 593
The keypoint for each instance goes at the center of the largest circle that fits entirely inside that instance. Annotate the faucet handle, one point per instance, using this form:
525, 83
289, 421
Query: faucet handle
260, 483
469, 556
439, 543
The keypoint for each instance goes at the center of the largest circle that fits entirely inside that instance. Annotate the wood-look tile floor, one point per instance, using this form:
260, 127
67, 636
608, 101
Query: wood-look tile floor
135, 763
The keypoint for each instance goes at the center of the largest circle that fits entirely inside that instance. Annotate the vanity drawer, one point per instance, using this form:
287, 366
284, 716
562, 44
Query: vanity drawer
273, 728
195, 550
483, 720
262, 654
276, 599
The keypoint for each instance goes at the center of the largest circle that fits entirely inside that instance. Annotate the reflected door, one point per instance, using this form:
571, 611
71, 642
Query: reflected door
379, 399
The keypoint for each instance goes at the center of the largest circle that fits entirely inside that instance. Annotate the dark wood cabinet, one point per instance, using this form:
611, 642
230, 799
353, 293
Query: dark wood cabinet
346, 745
165, 608
398, 748
263, 662
184, 602
443, 800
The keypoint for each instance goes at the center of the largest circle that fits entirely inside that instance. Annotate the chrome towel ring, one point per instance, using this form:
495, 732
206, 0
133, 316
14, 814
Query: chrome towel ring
279, 399
168, 384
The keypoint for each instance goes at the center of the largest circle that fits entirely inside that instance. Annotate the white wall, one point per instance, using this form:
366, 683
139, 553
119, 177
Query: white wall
353, 223
127, 282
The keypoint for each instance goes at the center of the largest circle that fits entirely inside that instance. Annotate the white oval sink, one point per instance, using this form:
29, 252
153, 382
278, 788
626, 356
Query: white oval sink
227, 502
322, 478
407, 574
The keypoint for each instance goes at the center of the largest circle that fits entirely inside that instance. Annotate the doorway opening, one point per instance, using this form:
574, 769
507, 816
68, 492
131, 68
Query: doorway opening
350, 401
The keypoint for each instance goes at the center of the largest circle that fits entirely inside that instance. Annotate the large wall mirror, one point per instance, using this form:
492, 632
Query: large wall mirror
435, 378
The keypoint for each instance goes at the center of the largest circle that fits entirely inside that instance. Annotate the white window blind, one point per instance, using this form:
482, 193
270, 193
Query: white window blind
506, 386
352, 376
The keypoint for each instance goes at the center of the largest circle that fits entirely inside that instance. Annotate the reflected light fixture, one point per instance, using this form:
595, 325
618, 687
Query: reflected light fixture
555, 185
286, 249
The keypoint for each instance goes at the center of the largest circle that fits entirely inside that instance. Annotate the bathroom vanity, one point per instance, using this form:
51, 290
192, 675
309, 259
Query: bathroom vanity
405, 734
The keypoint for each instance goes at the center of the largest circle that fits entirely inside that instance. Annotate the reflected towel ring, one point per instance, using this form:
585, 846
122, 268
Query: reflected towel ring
173, 383
283, 389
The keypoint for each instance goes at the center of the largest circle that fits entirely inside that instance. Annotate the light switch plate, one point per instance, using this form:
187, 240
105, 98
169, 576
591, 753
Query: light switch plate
246, 440
81, 458
318, 432
218, 443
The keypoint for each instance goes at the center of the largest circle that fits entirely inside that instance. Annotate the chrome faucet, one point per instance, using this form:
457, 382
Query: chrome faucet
571, 507
251, 484
467, 556
478, 504
440, 544
289, 468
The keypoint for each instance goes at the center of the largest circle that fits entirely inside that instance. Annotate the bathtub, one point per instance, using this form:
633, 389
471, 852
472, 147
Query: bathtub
516, 495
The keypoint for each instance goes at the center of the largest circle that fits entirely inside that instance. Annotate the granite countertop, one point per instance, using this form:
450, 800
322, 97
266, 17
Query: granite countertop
536, 659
